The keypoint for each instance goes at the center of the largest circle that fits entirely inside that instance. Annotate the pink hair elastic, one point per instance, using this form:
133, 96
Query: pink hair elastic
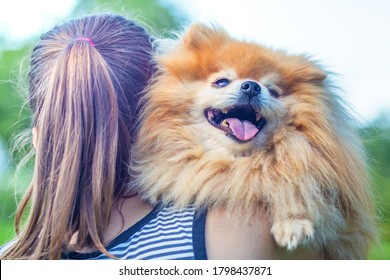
89, 40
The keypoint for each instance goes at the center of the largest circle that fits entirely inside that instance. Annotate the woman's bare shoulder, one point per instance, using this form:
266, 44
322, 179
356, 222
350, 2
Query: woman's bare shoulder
229, 236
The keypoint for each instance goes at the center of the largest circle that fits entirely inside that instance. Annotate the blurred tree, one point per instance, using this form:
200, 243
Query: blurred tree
12, 90
377, 143
157, 16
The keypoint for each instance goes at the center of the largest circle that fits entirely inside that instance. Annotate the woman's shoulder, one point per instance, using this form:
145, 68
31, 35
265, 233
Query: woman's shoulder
234, 236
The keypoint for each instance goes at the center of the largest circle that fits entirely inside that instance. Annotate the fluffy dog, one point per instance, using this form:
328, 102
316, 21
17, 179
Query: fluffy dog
233, 124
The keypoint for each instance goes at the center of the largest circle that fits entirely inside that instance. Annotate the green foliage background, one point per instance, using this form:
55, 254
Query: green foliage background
159, 19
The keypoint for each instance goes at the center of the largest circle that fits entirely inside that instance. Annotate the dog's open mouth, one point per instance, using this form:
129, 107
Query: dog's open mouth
242, 122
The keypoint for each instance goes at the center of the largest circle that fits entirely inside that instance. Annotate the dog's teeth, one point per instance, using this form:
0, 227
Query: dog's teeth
258, 116
224, 123
225, 111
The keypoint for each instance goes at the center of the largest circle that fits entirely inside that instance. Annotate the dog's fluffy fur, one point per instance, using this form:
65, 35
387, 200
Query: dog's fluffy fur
306, 165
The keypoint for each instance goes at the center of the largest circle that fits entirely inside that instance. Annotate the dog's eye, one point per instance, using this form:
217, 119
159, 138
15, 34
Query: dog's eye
273, 92
220, 83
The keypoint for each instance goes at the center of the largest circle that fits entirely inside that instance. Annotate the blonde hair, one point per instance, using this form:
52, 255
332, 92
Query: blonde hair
85, 81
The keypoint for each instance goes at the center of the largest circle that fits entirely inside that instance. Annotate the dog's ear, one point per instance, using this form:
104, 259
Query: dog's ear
302, 69
199, 37
193, 51
312, 74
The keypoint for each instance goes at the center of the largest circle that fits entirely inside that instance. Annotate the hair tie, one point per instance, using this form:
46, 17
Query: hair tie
89, 40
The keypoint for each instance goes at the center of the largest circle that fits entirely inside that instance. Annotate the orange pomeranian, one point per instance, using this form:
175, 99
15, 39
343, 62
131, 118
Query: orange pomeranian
233, 124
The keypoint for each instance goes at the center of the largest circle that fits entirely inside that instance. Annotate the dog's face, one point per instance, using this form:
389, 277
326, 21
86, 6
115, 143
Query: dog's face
239, 96
238, 111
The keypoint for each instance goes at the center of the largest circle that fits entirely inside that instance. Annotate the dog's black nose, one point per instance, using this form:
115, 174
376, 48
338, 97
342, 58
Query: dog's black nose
250, 88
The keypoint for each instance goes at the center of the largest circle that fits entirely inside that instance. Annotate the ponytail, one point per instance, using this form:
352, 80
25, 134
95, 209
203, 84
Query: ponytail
83, 117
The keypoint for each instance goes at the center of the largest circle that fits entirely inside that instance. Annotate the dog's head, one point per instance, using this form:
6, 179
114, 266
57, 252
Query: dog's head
238, 95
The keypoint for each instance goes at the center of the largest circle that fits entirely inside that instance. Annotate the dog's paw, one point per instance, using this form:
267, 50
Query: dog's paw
290, 233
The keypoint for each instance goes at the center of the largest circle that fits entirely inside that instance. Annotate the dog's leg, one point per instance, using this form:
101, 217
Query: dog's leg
292, 231
291, 225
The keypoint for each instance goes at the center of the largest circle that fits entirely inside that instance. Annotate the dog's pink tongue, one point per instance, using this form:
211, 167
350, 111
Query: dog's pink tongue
243, 130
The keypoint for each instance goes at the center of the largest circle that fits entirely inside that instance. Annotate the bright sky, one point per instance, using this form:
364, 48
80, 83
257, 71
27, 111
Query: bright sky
21, 19
349, 37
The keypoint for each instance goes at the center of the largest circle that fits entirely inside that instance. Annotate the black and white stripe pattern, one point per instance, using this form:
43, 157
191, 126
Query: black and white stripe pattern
165, 233
167, 236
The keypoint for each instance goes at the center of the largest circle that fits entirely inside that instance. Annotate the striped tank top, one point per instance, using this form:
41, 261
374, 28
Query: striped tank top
165, 233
